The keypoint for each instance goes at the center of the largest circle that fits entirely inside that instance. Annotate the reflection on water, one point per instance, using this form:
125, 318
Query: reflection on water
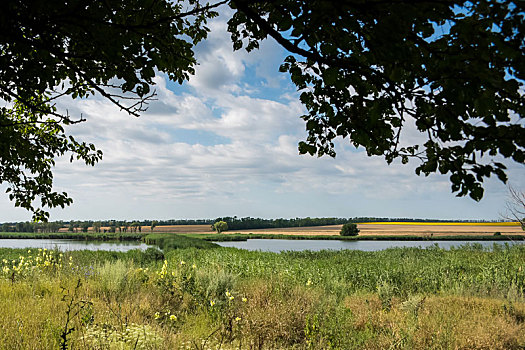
279, 245
267, 245
69, 244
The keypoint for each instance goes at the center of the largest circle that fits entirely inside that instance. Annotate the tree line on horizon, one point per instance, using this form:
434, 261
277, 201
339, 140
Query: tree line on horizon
234, 223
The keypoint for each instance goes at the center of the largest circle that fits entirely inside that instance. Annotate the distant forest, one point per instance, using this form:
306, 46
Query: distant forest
234, 223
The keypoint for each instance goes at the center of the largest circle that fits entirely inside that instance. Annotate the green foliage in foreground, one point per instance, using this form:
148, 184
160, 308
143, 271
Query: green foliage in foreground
469, 269
166, 241
228, 298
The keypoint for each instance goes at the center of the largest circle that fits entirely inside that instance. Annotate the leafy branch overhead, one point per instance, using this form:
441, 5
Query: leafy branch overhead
27, 154
366, 71
52, 49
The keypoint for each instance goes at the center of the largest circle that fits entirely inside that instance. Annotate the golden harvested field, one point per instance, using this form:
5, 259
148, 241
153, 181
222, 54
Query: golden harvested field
160, 229
181, 229
366, 229
438, 229
411, 229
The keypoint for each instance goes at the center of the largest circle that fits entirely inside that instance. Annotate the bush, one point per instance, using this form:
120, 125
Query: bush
349, 230
497, 233
153, 254
220, 226
113, 277
175, 241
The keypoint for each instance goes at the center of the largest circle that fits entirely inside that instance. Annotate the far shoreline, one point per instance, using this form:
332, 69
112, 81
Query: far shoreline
398, 231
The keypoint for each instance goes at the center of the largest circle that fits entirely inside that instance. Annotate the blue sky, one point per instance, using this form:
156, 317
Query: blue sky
225, 144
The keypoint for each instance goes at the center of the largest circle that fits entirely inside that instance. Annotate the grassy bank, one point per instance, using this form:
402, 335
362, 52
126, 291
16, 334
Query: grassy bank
185, 240
166, 241
230, 299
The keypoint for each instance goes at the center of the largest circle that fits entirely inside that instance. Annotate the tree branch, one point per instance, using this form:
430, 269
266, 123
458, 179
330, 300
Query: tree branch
166, 19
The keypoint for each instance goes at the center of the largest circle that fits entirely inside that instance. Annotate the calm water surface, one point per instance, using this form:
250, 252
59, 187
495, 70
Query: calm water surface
267, 245
69, 244
279, 245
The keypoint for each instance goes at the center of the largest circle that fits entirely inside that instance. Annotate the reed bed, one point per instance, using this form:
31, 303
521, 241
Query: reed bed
464, 298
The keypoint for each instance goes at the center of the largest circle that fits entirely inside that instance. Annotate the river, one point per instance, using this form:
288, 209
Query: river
70, 244
267, 245
279, 245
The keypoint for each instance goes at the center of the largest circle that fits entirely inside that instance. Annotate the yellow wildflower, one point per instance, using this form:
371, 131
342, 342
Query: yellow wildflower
173, 317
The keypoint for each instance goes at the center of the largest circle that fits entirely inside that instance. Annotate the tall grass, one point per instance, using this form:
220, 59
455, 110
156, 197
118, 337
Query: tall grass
470, 268
166, 241
403, 298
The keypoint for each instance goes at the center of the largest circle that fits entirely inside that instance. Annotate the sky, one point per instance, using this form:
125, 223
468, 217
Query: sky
225, 144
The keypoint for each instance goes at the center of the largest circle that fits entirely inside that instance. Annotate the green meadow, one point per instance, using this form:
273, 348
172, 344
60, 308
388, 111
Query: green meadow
220, 298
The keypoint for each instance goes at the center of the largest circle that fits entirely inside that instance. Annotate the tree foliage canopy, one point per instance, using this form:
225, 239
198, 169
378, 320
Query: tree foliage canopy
366, 71
349, 229
52, 49
220, 226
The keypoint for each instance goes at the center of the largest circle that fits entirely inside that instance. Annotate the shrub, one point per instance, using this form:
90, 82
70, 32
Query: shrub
113, 277
153, 254
497, 233
220, 226
349, 230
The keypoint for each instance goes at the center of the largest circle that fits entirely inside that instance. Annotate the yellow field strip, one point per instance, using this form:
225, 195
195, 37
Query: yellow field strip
443, 223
